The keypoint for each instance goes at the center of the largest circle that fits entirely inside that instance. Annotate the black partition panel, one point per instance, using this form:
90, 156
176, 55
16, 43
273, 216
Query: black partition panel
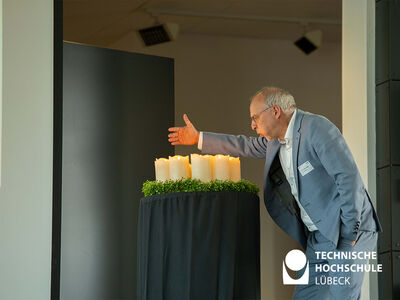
116, 109
387, 77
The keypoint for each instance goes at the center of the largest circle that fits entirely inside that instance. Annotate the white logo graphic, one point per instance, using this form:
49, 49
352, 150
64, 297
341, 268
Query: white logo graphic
295, 260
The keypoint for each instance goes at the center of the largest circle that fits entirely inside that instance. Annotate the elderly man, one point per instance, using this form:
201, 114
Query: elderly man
312, 190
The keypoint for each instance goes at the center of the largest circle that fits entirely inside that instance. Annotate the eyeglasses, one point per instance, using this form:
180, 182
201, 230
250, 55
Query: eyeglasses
257, 115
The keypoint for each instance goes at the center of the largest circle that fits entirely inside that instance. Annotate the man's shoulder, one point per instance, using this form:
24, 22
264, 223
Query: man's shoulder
309, 119
318, 128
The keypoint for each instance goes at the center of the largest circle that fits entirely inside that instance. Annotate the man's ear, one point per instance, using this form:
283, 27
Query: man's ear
277, 111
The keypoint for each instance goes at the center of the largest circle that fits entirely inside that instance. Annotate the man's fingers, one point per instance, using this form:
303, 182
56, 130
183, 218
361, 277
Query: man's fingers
174, 128
187, 121
174, 134
173, 140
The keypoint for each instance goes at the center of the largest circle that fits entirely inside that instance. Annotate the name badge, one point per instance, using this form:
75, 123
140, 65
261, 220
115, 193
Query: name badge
305, 168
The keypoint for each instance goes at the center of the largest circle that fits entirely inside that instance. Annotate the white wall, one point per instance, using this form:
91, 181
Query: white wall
358, 98
1, 76
25, 193
214, 78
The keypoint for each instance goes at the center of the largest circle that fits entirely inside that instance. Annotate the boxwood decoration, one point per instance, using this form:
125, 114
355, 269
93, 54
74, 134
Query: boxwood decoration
195, 185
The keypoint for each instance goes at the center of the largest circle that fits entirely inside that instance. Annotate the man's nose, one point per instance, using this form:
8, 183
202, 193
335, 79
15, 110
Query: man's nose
253, 125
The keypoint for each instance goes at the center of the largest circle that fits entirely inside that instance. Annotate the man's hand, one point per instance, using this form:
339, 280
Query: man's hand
187, 135
353, 242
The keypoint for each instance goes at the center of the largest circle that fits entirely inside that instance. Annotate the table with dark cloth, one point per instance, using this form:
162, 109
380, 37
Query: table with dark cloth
199, 245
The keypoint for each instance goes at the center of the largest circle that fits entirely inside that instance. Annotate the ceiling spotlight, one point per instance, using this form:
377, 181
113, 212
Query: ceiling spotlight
158, 34
310, 41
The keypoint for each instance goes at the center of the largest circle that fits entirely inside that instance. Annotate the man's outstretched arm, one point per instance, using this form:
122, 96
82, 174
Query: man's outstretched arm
214, 143
235, 145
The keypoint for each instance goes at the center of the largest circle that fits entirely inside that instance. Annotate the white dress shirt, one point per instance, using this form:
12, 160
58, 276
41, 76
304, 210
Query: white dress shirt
285, 156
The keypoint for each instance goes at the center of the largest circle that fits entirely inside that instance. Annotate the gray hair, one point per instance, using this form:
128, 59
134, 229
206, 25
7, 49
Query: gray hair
277, 96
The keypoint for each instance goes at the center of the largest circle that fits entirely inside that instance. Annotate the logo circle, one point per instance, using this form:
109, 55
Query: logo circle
295, 260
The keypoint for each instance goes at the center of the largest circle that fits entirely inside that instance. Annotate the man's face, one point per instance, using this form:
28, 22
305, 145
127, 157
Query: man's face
263, 121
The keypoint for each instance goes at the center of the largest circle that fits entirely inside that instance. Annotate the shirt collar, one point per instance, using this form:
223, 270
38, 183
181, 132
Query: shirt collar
289, 131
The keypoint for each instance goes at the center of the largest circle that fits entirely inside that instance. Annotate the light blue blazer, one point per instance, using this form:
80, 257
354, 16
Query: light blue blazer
332, 193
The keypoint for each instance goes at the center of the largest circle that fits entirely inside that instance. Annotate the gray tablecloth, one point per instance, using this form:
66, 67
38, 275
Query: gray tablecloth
199, 245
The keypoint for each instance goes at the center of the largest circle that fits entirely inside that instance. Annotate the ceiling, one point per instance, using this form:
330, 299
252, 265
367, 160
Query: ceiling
102, 22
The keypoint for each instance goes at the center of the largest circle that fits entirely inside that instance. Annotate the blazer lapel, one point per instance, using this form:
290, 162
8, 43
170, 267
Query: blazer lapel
295, 148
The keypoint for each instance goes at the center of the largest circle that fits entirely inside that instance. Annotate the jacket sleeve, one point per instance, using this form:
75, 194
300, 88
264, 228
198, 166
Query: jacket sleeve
336, 157
239, 145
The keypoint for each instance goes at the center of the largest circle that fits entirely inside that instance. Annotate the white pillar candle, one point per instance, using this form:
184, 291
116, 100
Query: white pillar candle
162, 169
189, 170
234, 164
221, 167
212, 164
201, 167
179, 167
